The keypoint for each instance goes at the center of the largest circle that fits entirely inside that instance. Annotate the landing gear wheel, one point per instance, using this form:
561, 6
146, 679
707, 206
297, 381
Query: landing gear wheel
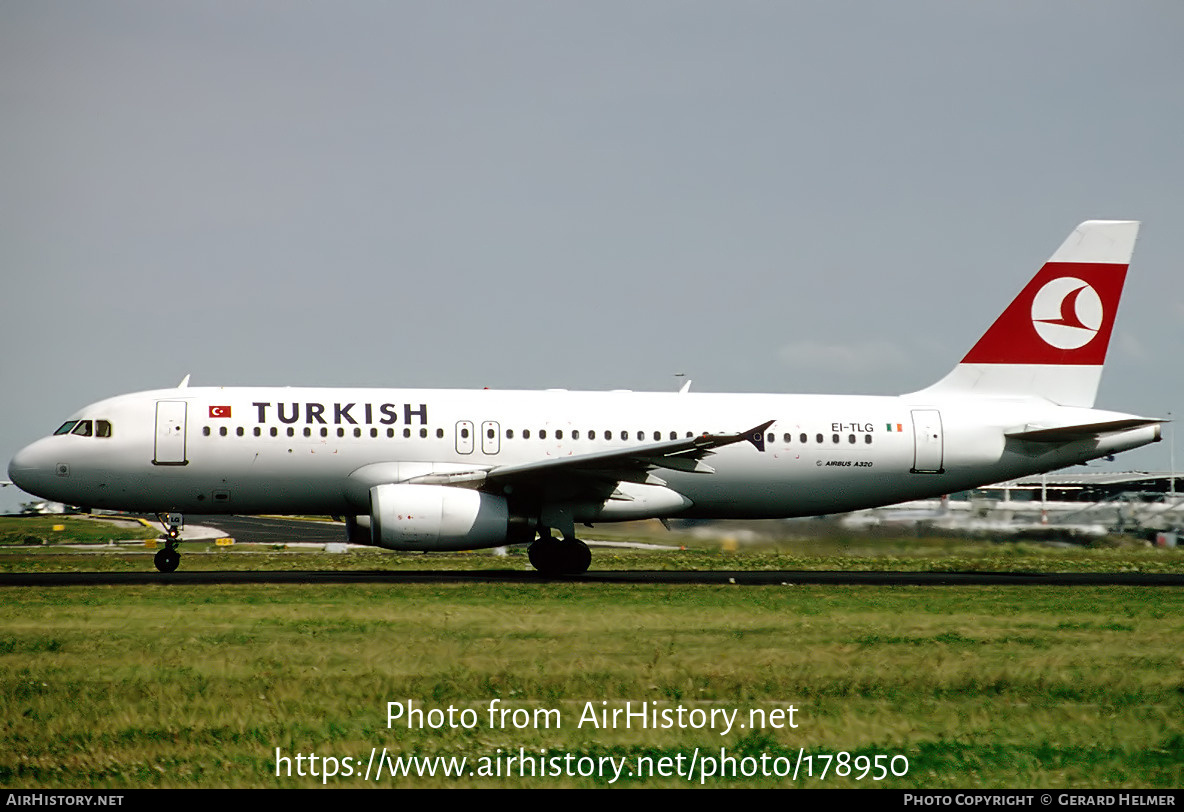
577, 555
559, 556
168, 559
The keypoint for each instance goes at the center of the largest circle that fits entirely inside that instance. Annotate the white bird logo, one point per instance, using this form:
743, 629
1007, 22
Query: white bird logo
1067, 313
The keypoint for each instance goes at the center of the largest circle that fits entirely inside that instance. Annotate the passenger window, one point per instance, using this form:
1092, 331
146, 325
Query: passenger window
324, 432
489, 433
83, 429
772, 438
674, 435
274, 432
526, 434
205, 431
341, 432
509, 434
641, 435
851, 438
65, 427
439, 433
257, 431
818, 439
867, 438
307, 431
373, 432
464, 433
102, 428
222, 431
357, 432
291, 431
390, 433
575, 434
788, 437
804, 438
406, 434
423, 433
239, 431
558, 434
834, 438
542, 434
591, 434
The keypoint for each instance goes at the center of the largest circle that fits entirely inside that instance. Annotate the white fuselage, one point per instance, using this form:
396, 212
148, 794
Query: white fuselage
317, 450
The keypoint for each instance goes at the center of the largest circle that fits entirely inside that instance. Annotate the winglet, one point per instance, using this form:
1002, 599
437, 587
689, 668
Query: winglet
755, 435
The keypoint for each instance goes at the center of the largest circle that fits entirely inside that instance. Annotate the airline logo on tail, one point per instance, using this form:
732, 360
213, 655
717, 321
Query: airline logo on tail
1067, 313
1063, 316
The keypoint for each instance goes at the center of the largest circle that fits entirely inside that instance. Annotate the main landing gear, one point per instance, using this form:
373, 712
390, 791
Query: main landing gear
565, 556
168, 559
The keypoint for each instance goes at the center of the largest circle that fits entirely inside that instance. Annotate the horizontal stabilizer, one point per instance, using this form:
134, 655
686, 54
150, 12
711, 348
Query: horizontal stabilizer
1082, 431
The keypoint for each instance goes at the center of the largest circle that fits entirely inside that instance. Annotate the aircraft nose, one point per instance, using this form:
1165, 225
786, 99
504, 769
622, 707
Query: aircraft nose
29, 468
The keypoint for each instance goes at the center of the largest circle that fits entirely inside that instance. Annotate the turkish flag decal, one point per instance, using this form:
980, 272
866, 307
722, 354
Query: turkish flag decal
219, 411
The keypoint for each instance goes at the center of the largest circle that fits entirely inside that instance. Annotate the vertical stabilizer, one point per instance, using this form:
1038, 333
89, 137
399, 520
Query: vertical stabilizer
1052, 339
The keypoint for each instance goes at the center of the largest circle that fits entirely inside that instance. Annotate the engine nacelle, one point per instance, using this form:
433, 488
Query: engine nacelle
436, 517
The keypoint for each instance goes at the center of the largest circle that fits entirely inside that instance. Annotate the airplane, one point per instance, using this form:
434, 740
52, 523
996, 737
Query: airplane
424, 469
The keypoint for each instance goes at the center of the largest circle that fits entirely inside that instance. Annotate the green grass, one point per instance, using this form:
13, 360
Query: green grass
43, 530
772, 546
919, 555
163, 686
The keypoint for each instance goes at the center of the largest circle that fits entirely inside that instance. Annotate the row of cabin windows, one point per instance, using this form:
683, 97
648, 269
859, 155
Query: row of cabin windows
86, 428
820, 439
240, 431
223, 431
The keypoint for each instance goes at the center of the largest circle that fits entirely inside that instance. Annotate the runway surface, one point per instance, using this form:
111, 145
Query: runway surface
735, 577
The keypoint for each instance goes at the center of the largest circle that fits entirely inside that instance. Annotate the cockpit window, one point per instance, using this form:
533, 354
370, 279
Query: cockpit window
102, 428
65, 427
84, 428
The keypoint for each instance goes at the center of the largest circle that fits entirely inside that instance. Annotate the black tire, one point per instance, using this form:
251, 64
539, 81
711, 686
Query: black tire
577, 557
167, 560
553, 557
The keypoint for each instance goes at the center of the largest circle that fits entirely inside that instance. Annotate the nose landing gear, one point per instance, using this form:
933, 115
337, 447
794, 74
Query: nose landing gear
168, 559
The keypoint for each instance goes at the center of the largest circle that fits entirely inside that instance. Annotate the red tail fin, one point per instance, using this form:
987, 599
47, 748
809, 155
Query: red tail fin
1051, 341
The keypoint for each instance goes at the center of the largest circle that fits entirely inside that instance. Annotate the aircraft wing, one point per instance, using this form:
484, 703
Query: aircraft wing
624, 464
1081, 431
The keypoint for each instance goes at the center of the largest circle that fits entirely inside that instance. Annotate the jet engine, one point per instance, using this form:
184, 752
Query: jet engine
436, 517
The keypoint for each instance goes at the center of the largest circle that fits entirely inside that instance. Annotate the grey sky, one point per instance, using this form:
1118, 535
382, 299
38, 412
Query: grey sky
767, 196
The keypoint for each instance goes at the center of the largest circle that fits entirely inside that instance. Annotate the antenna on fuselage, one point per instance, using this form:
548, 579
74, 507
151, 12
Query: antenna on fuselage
184, 384
686, 387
